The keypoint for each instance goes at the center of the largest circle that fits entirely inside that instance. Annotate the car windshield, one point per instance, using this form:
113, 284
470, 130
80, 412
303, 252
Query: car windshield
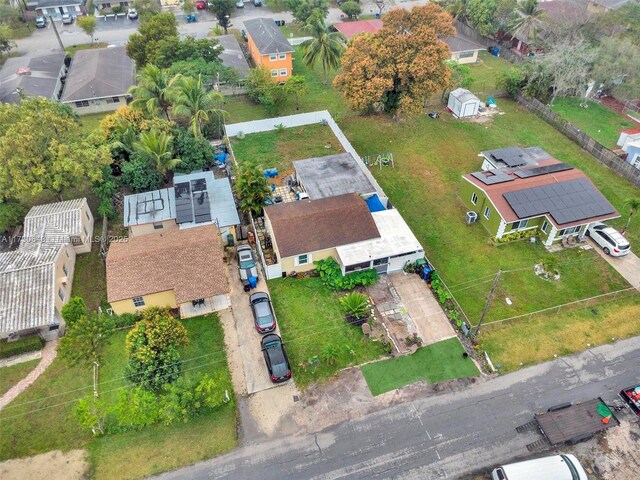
278, 363
246, 261
263, 312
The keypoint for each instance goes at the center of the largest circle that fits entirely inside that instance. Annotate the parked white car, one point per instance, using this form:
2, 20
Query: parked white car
609, 239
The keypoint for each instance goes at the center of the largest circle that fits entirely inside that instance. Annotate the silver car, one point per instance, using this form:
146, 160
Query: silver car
67, 19
609, 239
246, 262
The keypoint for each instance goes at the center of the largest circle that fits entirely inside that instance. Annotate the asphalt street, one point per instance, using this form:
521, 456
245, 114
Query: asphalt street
442, 436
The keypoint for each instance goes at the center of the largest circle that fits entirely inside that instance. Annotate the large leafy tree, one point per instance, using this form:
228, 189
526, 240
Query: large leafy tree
139, 175
273, 96
146, 8
88, 24
86, 340
151, 93
481, 16
304, 9
43, 149
193, 152
158, 148
191, 100
324, 46
528, 21
223, 10
171, 50
5, 39
399, 67
252, 190
617, 66
143, 44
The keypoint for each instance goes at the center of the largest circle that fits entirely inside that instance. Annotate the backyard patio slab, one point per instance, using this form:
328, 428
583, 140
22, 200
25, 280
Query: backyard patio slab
431, 323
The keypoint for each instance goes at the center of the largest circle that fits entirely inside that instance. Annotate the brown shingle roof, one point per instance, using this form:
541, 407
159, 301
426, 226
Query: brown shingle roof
188, 261
496, 191
311, 225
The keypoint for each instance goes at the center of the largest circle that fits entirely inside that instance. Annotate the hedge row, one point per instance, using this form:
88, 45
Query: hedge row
24, 345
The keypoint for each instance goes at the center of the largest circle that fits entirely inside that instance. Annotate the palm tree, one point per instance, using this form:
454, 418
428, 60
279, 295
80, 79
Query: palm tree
527, 20
158, 147
326, 46
192, 101
151, 92
252, 190
633, 204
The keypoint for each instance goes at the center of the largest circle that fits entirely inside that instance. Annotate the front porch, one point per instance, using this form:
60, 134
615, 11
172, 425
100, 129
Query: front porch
204, 305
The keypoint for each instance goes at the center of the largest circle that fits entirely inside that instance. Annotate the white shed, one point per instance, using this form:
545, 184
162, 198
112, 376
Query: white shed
462, 103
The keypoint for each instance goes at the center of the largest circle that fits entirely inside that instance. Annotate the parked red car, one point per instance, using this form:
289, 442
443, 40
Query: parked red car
201, 4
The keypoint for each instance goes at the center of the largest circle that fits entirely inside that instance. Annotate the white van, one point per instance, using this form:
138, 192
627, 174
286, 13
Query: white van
557, 467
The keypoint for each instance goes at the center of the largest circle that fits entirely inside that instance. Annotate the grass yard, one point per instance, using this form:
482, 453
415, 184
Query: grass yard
71, 51
9, 376
280, 149
596, 121
90, 122
537, 340
89, 277
46, 411
311, 323
432, 364
486, 74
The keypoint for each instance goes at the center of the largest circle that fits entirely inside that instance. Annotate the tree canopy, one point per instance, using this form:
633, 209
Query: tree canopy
399, 67
143, 45
171, 50
43, 149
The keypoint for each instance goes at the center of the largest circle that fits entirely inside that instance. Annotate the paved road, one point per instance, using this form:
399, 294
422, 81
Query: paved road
444, 436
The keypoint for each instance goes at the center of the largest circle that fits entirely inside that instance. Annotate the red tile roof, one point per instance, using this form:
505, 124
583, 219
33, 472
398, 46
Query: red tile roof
496, 191
349, 29
631, 131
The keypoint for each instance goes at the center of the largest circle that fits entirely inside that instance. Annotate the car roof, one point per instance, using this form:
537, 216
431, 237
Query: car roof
258, 296
269, 338
242, 248
614, 234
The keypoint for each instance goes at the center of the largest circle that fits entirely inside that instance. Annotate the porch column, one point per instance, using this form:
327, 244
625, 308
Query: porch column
551, 237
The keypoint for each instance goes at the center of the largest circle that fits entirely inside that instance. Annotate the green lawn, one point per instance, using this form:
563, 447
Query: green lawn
89, 277
90, 122
9, 376
597, 121
71, 51
311, 321
45, 411
486, 74
432, 364
535, 340
280, 149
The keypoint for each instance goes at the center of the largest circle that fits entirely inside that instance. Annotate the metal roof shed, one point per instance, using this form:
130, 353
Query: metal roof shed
462, 103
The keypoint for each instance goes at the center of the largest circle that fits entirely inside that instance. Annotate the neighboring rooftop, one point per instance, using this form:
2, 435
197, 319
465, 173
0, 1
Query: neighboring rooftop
34, 76
396, 238
463, 95
232, 56
65, 216
195, 199
349, 29
99, 73
189, 262
310, 225
332, 175
267, 36
515, 156
553, 188
52, 3
612, 4
459, 43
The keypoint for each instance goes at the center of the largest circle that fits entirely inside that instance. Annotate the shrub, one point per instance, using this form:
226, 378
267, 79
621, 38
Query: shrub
355, 304
11, 215
160, 369
331, 275
135, 409
330, 354
519, 235
195, 153
139, 175
23, 345
125, 320
73, 310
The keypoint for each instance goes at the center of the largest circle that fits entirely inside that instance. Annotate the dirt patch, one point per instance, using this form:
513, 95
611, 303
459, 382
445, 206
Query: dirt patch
270, 408
613, 456
234, 357
54, 465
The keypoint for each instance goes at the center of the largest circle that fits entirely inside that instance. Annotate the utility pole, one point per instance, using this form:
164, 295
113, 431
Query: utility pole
488, 302
96, 366
55, 29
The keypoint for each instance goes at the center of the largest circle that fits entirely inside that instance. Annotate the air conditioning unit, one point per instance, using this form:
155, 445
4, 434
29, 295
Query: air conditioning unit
471, 217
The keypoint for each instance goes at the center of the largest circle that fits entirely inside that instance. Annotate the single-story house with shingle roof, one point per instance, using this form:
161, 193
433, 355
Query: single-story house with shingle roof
56, 8
98, 80
36, 279
39, 76
341, 227
180, 269
269, 48
232, 55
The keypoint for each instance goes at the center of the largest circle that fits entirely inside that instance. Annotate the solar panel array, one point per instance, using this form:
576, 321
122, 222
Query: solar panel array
491, 177
566, 202
534, 172
184, 204
192, 202
511, 156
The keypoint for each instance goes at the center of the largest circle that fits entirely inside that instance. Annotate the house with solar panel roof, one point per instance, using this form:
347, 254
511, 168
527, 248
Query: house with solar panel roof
525, 188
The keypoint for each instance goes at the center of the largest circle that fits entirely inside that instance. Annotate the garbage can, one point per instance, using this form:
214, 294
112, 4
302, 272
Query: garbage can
246, 286
230, 240
253, 282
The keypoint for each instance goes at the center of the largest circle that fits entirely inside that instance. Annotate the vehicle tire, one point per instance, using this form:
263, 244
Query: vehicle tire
587, 233
606, 250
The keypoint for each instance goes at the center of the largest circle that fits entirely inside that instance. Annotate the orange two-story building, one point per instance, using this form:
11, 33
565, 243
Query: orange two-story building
268, 47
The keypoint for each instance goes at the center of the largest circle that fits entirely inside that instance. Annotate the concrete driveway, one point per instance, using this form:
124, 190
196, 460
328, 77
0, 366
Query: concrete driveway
425, 311
627, 266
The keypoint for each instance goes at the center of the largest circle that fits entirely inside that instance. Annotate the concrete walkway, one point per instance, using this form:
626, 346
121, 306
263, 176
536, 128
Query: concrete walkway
49, 353
425, 311
627, 266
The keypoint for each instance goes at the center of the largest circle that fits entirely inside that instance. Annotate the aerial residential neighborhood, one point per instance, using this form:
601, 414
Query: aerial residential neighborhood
307, 239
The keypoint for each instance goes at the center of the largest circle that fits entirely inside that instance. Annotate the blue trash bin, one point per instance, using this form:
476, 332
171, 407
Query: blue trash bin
253, 282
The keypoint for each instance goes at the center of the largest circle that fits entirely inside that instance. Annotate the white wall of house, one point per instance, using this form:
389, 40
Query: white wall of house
99, 105
465, 57
210, 305
56, 12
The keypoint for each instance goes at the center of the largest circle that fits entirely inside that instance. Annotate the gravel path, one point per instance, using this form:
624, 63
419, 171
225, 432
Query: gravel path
49, 352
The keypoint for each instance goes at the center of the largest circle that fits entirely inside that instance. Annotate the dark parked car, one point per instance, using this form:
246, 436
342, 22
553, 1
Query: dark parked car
41, 22
276, 359
263, 315
257, 3
246, 262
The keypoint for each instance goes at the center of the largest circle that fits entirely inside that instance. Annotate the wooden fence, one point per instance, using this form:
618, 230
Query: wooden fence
601, 153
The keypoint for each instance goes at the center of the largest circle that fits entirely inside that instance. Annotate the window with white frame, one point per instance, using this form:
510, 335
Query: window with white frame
274, 72
273, 56
82, 103
467, 54
487, 212
569, 231
546, 226
303, 259
474, 198
138, 301
282, 56
283, 72
357, 266
520, 224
